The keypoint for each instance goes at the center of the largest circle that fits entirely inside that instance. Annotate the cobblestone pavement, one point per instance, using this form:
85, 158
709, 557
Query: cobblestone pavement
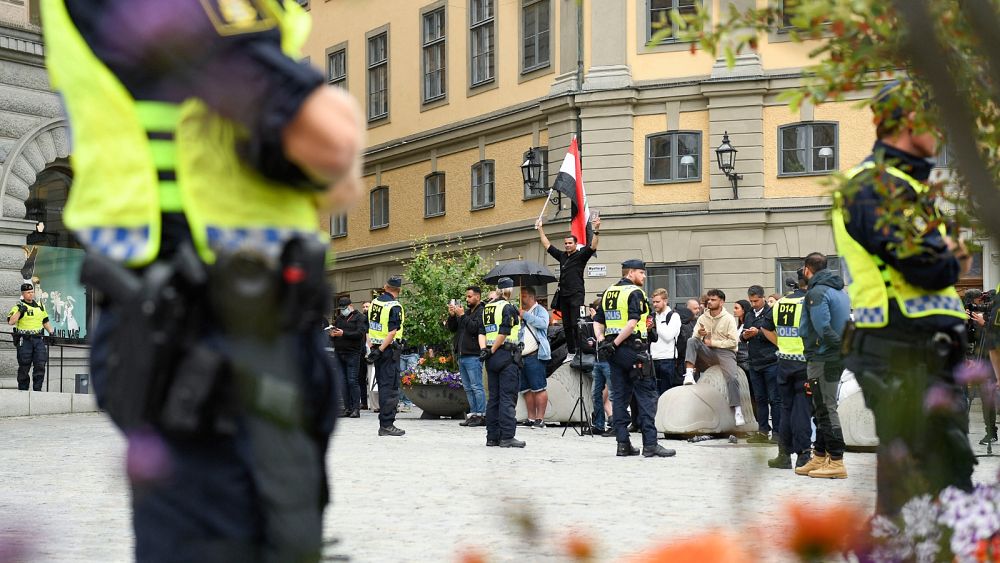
436, 492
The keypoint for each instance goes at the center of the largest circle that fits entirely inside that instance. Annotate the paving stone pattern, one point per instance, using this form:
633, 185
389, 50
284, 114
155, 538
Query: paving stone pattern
436, 492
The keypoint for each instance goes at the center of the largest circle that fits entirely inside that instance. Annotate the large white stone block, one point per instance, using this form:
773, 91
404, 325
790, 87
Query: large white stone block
703, 408
857, 421
564, 389
84, 403
41, 402
13, 402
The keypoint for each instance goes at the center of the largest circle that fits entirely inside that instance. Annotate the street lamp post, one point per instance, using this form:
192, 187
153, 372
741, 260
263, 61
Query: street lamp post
531, 170
727, 163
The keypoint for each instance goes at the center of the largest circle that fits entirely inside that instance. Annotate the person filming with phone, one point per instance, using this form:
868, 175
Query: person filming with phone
348, 337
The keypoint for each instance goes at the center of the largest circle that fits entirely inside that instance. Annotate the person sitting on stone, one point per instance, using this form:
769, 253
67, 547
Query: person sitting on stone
714, 343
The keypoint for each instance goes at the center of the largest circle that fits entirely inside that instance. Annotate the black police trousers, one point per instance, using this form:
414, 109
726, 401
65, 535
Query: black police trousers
257, 495
795, 429
31, 352
387, 378
623, 389
920, 415
503, 382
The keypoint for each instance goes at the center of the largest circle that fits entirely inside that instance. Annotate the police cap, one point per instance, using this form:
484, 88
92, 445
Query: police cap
634, 264
27, 287
394, 281
505, 283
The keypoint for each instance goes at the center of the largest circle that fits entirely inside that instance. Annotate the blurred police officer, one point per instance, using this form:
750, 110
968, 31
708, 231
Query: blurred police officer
622, 334
909, 318
385, 332
28, 319
220, 143
794, 433
500, 344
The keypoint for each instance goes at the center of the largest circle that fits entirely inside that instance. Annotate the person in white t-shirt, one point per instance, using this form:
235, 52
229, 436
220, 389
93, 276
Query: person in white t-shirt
664, 349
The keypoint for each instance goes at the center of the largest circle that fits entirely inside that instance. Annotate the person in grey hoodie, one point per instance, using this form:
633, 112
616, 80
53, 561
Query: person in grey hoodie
827, 310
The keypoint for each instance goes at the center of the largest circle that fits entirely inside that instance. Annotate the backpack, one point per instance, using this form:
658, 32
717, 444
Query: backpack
686, 332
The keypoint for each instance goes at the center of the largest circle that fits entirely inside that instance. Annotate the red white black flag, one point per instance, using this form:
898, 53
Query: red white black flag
569, 182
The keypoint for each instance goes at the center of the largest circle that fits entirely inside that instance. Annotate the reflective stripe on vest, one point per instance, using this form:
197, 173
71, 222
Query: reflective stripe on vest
492, 319
871, 282
787, 315
159, 119
378, 321
615, 305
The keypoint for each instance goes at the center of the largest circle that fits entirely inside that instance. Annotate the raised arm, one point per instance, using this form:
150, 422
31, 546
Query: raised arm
541, 234
597, 231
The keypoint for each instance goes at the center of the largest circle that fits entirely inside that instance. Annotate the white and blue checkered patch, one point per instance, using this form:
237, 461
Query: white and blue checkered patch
865, 315
121, 244
929, 302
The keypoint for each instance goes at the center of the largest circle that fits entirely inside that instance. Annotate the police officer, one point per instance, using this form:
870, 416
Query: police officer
28, 318
910, 321
622, 335
794, 433
385, 334
499, 339
222, 147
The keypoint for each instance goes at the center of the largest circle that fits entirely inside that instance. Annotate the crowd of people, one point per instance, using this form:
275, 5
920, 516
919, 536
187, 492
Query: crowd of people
636, 347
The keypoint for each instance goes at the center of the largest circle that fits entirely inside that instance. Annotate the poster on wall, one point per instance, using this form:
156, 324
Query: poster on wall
56, 274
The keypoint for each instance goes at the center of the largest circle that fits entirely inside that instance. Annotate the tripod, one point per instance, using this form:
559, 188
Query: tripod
585, 426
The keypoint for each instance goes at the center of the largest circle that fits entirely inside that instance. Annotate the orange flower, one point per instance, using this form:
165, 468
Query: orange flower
442, 360
818, 532
711, 547
421, 361
471, 556
579, 548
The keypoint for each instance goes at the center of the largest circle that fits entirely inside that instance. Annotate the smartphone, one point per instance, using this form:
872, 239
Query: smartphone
453, 302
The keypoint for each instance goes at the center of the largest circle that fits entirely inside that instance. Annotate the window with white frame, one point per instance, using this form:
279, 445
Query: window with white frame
434, 55
682, 281
483, 194
660, 17
336, 68
535, 27
482, 41
807, 148
338, 225
434, 194
674, 156
379, 205
378, 76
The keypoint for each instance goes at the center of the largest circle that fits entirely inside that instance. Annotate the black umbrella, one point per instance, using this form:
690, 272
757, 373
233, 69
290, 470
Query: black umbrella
523, 272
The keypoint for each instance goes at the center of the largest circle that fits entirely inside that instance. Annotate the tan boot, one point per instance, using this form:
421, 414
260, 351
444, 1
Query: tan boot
834, 469
816, 462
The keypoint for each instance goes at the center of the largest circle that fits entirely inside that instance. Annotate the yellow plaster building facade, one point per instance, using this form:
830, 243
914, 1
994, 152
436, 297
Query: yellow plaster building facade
456, 91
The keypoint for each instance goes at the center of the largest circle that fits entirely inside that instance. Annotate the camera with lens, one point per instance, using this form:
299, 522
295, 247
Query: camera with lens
979, 302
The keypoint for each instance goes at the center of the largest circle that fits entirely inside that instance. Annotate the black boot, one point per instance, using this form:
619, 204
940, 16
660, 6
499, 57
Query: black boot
390, 431
782, 461
511, 443
657, 450
355, 413
626, 449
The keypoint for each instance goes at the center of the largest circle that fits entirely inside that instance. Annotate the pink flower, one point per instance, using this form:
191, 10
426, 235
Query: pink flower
148, 457
940, 399
973, 372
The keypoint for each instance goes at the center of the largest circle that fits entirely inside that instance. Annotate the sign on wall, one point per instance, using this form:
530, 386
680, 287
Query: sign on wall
597, 271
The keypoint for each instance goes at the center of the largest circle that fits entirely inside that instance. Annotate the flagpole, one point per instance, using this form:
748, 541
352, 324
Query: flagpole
547, 197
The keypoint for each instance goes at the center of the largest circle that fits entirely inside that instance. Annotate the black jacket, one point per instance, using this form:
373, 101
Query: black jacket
355, 327
762, 352
466, 329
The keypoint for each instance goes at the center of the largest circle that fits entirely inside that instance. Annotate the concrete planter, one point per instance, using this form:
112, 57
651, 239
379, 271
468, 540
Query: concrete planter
438, 400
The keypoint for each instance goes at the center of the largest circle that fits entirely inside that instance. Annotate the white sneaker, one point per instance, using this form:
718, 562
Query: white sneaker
569, 358
689, 379
740, 421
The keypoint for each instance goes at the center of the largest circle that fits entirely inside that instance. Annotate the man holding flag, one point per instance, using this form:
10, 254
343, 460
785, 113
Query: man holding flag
579, 245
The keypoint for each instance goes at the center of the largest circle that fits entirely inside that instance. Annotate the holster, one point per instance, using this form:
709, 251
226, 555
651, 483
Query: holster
643, 366
166, 367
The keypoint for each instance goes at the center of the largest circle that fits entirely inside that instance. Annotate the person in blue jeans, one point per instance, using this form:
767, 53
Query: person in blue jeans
759, 334
536, 354
465, 325
407, 361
